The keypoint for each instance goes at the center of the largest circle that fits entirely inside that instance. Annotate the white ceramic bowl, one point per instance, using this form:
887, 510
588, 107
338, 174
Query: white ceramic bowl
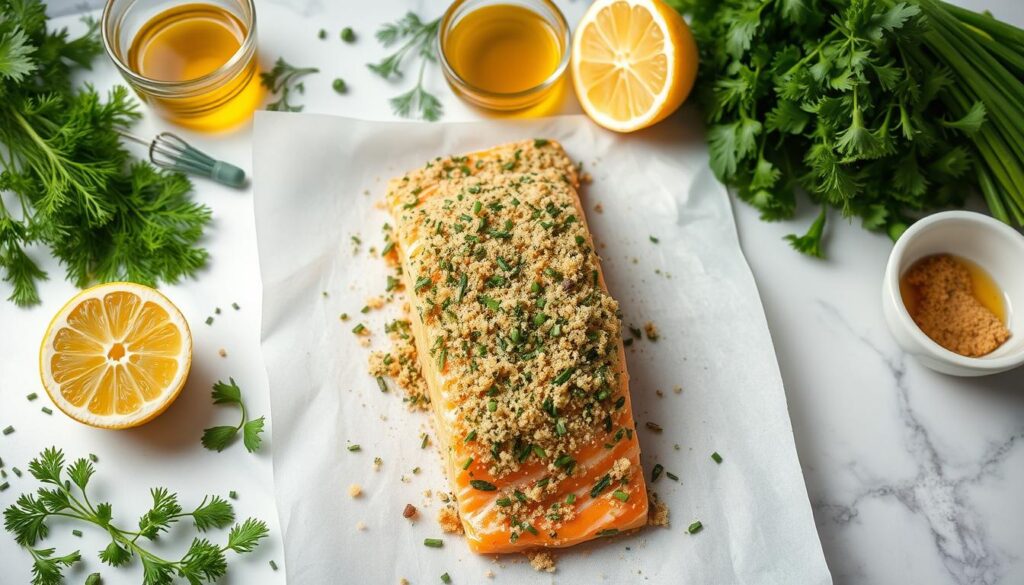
991, 244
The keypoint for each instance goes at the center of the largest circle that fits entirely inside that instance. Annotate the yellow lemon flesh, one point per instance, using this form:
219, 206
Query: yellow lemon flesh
116, 355
634, 62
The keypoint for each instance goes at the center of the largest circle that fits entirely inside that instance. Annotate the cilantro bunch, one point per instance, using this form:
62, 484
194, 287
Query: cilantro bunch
65, 497
881, 109
71, 185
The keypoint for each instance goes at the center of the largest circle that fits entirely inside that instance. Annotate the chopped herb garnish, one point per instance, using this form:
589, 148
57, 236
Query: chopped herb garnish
570, 499
425, 441
654, 239
273, 565
433, 542
93, 458
4, 486
445, 578
46, 410
470, 436
695, 527
8, 430
359, 328
322, 34
209, 320
484, 486
608, 532
601, 485
348, 35
339, 85
656, 472
235, 306
32, 396
233, 495
620, 495
467, 463
653, 426
16, 471
671, 476
354, 448
539, 142
503, 502
716, 457
564, 376
77, 532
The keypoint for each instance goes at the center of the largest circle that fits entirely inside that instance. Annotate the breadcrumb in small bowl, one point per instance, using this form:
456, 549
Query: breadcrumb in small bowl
990, 244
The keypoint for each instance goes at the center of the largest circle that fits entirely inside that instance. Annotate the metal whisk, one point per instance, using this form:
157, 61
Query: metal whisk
170, 151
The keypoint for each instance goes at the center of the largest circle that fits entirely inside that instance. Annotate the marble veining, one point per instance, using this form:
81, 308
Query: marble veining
936, 492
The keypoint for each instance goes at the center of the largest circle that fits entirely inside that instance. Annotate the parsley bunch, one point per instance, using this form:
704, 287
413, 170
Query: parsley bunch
881, 109
65, 497
73, 186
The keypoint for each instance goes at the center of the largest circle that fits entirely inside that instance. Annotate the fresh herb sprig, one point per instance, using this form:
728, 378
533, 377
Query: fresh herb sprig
65, 497
219, 438
74, 188
419, 40
282, 80
882, 109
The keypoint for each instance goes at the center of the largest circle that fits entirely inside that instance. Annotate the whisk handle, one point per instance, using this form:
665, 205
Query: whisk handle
227, 174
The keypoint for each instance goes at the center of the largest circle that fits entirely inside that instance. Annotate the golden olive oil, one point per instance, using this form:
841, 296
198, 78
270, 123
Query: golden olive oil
983, 288
503, 48
188, 43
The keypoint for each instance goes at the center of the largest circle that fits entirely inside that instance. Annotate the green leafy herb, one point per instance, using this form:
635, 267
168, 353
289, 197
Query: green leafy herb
218, 438
65, 496
716, 457
695, 527
418, 41
339, 85
882, 109
348, 35
74, 188
93, 579
433, 542
282, 80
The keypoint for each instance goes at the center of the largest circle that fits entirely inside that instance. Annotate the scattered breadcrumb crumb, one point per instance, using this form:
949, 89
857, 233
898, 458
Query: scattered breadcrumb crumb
377, 463
586, 178
541, 560
355, 490
598, 208
360, 525
403, 581
657, 511
375, 302
222, 352
651, 330
678, 389
448, 518
489, 574
409, 511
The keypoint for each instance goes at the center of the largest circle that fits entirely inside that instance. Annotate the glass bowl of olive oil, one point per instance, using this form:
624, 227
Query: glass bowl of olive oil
192, 62
504, 55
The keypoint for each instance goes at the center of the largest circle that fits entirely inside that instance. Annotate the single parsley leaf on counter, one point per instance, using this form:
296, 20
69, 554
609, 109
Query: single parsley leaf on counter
810, 243
64, 495
420, 41
220, 437
282, 80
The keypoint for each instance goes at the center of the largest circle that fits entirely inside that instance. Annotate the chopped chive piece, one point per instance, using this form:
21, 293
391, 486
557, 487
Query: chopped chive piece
469, 461
273, 565
608, 532
484, 486
671, 476
46, 410
504, 265
359, 328
656, 472
77, 532
445, 578
425, 441
519, 495
322, 34
539, 452
620, 495
695, 527
8, 430
93, 458
3, 473
560, 429
4, 486
387, 249
235, 306
209, 320
233, 495
563, 377
348, 35
716, 457
354, 448
470, 436
32, 396
539, 142
365, 309
433, 542
601, 485
503, 502
16, 471
492, 405
654, 239
570, 499
381, 384
463, 279
653, 426
477, 206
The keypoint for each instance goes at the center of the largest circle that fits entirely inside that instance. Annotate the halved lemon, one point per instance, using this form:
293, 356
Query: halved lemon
634, 62
116, 355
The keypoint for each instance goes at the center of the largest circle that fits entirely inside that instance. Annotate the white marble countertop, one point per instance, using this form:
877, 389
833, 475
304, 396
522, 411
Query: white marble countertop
914, 477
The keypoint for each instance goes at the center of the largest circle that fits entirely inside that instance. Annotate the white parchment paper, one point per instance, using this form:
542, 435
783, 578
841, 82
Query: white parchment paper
318, 180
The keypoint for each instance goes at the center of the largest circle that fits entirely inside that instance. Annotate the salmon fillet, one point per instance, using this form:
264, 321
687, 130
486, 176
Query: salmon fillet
520, 346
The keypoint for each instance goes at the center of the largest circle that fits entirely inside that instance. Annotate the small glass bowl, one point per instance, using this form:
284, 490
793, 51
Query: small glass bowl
514, 101
225, 97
